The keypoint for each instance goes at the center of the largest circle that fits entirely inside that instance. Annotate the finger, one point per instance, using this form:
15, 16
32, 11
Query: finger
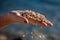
44, 24
48, 23
26, 20
21, 18
36, 22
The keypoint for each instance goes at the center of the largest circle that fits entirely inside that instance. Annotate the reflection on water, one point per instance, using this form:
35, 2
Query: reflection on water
3, 37
50, 8
33, 35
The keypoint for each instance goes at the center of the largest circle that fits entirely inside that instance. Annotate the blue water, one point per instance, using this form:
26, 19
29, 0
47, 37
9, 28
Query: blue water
49, 8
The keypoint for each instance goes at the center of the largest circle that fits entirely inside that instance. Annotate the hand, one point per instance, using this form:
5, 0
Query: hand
24, 16
33, 17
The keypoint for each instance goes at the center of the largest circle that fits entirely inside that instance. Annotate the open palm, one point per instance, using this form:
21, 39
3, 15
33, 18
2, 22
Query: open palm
25, 16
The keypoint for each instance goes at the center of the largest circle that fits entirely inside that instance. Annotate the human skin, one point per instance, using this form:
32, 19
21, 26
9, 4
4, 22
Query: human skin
10, 18
16, 16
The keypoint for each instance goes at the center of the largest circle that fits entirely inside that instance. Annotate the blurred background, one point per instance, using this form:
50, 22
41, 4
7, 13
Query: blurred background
21, 31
